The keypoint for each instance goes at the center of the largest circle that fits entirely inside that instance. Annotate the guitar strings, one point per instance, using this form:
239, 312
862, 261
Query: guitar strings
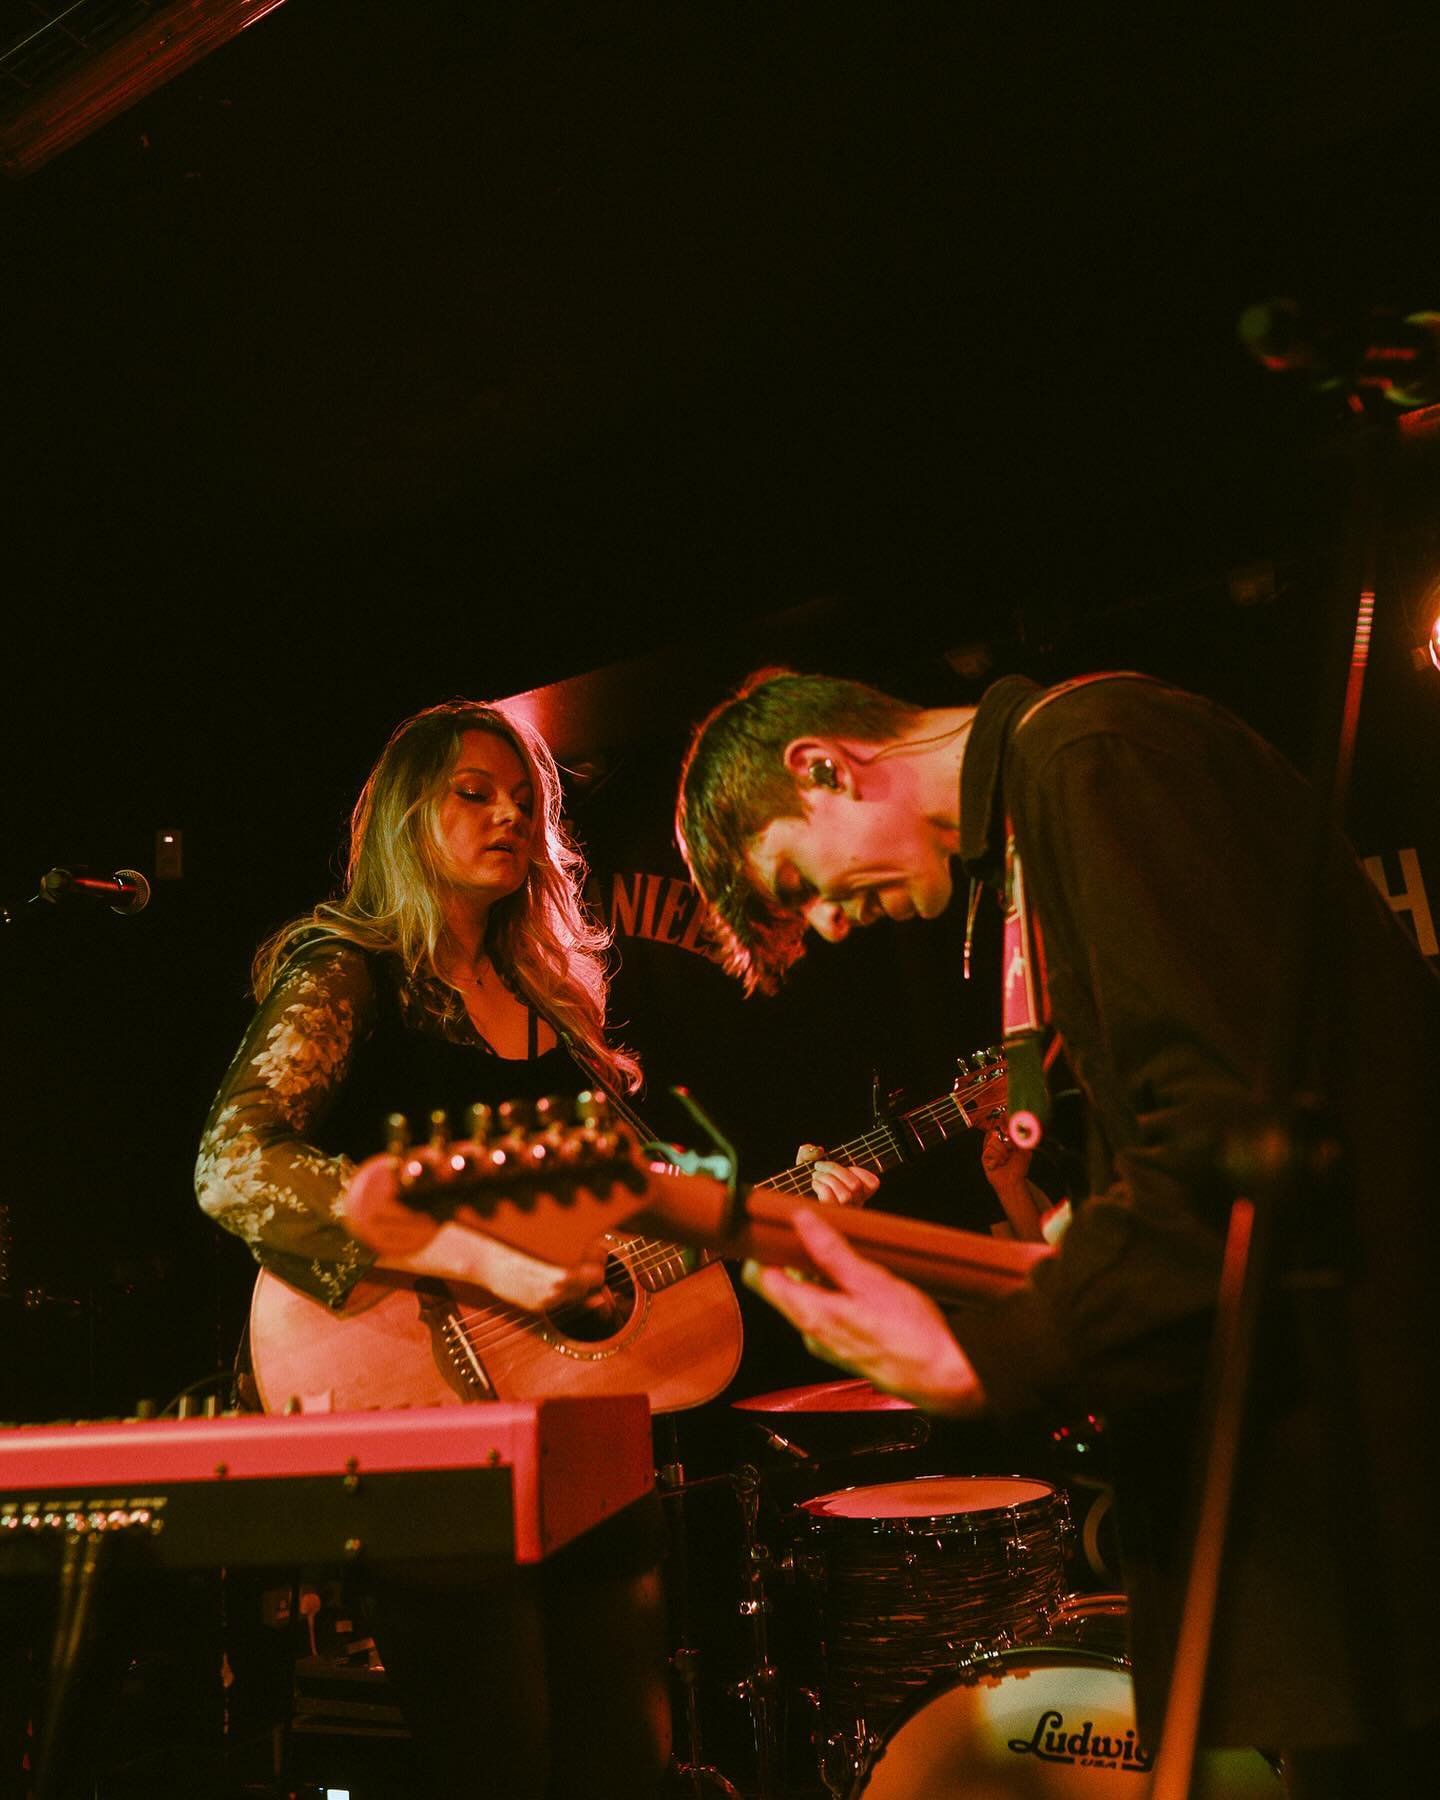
639, 1257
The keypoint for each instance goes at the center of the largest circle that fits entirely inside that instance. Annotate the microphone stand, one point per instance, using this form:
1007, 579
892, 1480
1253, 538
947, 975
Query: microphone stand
1282, 1167
20, 915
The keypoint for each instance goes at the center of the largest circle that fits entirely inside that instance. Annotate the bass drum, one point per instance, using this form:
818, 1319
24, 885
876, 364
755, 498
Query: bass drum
1054, 1719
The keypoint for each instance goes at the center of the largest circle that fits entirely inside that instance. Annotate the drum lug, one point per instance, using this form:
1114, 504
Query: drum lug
853, 1749
1066, 1527
758, 1684
983, 1656
805, 1565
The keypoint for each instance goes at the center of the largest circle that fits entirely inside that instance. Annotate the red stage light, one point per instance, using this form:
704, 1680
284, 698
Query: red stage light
105, 82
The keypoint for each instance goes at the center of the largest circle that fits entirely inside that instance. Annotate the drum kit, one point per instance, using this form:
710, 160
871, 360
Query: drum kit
905, 1639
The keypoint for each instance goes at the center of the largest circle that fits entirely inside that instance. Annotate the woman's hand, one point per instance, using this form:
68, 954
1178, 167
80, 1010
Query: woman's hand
871, 1322
838, 1184
372, 1208
521, 1280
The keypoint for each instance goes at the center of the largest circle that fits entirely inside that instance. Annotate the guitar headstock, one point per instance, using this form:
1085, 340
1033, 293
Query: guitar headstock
515, 1149
979, 1088
550, 1180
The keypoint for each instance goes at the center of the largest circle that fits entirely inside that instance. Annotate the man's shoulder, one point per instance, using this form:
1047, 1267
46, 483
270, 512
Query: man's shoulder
1119, 702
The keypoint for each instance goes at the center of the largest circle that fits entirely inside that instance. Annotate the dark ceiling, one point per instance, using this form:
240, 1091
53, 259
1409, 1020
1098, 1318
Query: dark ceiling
397, 351
528, 334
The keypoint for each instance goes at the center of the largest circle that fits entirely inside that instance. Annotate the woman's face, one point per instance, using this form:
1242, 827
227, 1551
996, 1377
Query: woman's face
486, 817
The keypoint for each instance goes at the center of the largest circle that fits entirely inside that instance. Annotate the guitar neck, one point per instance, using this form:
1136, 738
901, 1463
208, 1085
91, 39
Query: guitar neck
597, 1176
887, 1144
950, 1264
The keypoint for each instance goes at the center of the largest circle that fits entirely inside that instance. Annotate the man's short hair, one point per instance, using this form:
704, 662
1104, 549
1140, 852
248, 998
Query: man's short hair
734, 783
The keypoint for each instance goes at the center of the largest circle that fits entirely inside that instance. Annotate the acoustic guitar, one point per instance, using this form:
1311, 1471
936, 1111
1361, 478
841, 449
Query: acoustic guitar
666, 1322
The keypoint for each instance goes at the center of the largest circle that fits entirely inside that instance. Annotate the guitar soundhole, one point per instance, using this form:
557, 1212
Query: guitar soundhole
603, 1314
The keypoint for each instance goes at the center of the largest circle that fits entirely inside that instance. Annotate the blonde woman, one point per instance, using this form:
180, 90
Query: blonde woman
458, 964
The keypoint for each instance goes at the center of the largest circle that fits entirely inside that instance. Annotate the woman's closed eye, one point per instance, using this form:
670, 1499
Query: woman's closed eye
483, 797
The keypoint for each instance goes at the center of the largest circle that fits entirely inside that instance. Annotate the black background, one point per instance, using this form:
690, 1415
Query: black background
397, 352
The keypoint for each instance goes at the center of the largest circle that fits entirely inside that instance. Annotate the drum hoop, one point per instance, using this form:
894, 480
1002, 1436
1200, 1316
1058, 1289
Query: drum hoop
990, 1667
1058, 1654
1051, 1501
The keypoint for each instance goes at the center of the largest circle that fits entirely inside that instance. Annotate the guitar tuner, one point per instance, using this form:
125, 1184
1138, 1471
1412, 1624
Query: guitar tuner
397, 1134
593, 1108
439, 1128
514, 1115
479, 1120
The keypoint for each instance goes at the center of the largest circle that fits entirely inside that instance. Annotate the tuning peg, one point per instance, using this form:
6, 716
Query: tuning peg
479, 1119
397, 1134
514, 1115
593, 1108
552, 1112
439, 1128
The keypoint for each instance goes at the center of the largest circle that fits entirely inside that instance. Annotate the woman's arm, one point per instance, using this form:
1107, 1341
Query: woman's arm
260, 1174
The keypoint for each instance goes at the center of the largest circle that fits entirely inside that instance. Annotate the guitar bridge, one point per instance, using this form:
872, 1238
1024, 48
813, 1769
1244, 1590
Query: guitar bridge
460, 1355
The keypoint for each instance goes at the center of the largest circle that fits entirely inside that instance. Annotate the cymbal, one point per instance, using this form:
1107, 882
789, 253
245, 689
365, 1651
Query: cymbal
825, 1397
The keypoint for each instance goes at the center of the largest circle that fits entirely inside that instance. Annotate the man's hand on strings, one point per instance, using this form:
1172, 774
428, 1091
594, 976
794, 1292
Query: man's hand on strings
871, 1322
838, 1184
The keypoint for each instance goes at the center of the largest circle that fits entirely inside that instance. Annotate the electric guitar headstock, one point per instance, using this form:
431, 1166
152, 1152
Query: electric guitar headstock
570, 1160
979, 1090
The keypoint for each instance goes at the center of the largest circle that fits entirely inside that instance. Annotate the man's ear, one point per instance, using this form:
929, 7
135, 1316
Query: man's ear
818, 763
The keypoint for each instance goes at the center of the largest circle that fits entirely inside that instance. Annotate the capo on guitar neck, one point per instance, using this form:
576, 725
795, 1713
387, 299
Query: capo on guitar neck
722, 1163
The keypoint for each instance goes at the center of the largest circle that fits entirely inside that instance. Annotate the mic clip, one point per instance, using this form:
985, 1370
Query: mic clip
125, 892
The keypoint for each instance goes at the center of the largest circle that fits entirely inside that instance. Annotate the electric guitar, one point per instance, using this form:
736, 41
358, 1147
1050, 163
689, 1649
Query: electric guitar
666, 1322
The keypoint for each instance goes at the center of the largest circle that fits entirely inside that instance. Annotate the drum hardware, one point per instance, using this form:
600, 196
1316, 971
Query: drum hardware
846, 1753
917, 1580
786, 1446
689, 1773
756, 1688
800, 1462
852, 1396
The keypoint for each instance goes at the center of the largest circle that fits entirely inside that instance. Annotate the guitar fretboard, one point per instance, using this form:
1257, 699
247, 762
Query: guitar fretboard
883, 1147
657, 1264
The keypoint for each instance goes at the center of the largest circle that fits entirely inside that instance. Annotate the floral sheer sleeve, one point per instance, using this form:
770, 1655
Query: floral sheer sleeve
258, 1174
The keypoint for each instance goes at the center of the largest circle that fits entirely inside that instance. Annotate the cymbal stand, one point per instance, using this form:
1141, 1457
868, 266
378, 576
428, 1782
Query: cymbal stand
756, 1689
841, 1752
689, 1774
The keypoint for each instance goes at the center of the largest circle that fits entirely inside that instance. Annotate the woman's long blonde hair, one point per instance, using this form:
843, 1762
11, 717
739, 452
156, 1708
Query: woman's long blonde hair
541, 938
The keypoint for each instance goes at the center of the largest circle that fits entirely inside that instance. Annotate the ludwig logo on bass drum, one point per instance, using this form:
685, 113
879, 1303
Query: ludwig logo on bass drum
1050, 1743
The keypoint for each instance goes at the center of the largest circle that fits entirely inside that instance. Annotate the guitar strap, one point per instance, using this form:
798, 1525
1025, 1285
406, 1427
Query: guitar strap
650, 1142
1024, 991
585, 1062
1024, 1007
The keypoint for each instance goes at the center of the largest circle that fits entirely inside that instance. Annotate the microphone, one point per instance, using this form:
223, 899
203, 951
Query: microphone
1399, 356
126, 891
